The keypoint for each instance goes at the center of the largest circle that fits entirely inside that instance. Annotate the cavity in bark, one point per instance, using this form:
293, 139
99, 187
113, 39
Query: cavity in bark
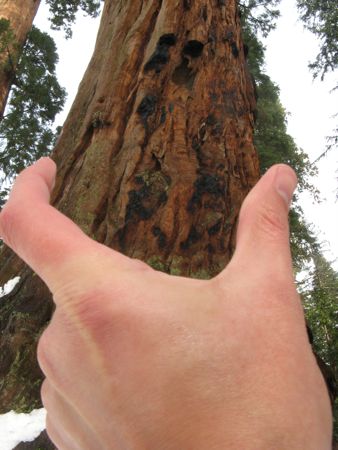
193, 48
146, 108
234, 49
160, 57
183, 75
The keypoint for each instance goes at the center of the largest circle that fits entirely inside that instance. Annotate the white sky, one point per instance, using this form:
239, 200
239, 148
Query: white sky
310, 104
289, 49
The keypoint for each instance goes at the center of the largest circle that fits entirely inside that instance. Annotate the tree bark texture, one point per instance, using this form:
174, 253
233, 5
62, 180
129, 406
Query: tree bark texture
20, 14
154, 159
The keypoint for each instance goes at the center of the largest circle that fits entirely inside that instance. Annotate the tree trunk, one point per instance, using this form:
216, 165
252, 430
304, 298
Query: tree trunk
154, 160
20, 14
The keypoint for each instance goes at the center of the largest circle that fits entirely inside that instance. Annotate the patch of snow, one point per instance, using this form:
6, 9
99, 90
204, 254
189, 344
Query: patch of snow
16, 428
9, 286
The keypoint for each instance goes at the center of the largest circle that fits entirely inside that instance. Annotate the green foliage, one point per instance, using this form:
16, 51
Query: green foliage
320, 298
321, 18
273, 142
36, 98
321, 306
275, 145
259, 15
64, 12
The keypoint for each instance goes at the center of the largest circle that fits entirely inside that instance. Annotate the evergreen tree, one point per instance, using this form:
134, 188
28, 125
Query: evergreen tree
320, 296
321, 18
29, 60
26, 131
275, 145
63, 12
16, 18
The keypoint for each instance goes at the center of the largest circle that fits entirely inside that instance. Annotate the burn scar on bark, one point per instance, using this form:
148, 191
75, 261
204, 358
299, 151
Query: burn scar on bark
161, 55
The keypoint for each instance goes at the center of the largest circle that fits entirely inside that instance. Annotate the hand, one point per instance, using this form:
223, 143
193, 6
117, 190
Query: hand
139, 360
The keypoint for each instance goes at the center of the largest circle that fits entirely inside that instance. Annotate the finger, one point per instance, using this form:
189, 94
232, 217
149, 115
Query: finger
263, 228
43, 237
65, 423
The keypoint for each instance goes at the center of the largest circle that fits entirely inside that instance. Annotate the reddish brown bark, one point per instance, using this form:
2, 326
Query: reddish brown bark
157, 153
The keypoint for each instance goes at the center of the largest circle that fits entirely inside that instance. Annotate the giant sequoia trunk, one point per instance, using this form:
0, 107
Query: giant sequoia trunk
154, 160
20, 14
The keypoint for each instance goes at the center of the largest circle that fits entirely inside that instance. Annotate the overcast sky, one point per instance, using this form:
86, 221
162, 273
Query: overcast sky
309, 103
289, 49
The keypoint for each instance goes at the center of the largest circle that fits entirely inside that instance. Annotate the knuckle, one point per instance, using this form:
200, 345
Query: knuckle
89, 310
45, 393
44, 350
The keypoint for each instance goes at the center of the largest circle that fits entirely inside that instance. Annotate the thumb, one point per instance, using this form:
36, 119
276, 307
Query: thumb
263, 228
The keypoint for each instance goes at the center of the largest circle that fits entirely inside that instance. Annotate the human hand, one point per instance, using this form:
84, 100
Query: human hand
139, 360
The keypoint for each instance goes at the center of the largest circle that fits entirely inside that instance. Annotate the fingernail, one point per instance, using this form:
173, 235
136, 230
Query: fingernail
285, 183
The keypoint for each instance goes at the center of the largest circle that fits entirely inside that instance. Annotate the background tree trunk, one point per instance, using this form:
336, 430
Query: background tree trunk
154, 160
20, 14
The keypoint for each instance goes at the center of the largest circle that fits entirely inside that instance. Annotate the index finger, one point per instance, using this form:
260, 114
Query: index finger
43, 237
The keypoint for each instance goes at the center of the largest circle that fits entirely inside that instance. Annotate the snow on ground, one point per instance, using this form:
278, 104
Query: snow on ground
16, 428
8, 287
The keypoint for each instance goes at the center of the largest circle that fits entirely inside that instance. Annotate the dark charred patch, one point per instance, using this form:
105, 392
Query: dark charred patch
215, 228
234, 49
168, 39
161, 55
100, 217
213, 97
139, 179
210, 248
161, 237
205, 13
163, 198
136, 207
192, 238
163, 114
221, 2
146, 108
211, 120
205, 184
150, 194
196, 145
183, 75
193, 48
230, 35
187, 5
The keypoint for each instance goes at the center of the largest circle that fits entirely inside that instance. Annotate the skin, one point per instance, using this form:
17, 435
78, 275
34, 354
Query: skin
137, 359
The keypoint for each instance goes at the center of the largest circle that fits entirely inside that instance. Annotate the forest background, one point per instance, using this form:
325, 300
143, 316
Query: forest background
28, 130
